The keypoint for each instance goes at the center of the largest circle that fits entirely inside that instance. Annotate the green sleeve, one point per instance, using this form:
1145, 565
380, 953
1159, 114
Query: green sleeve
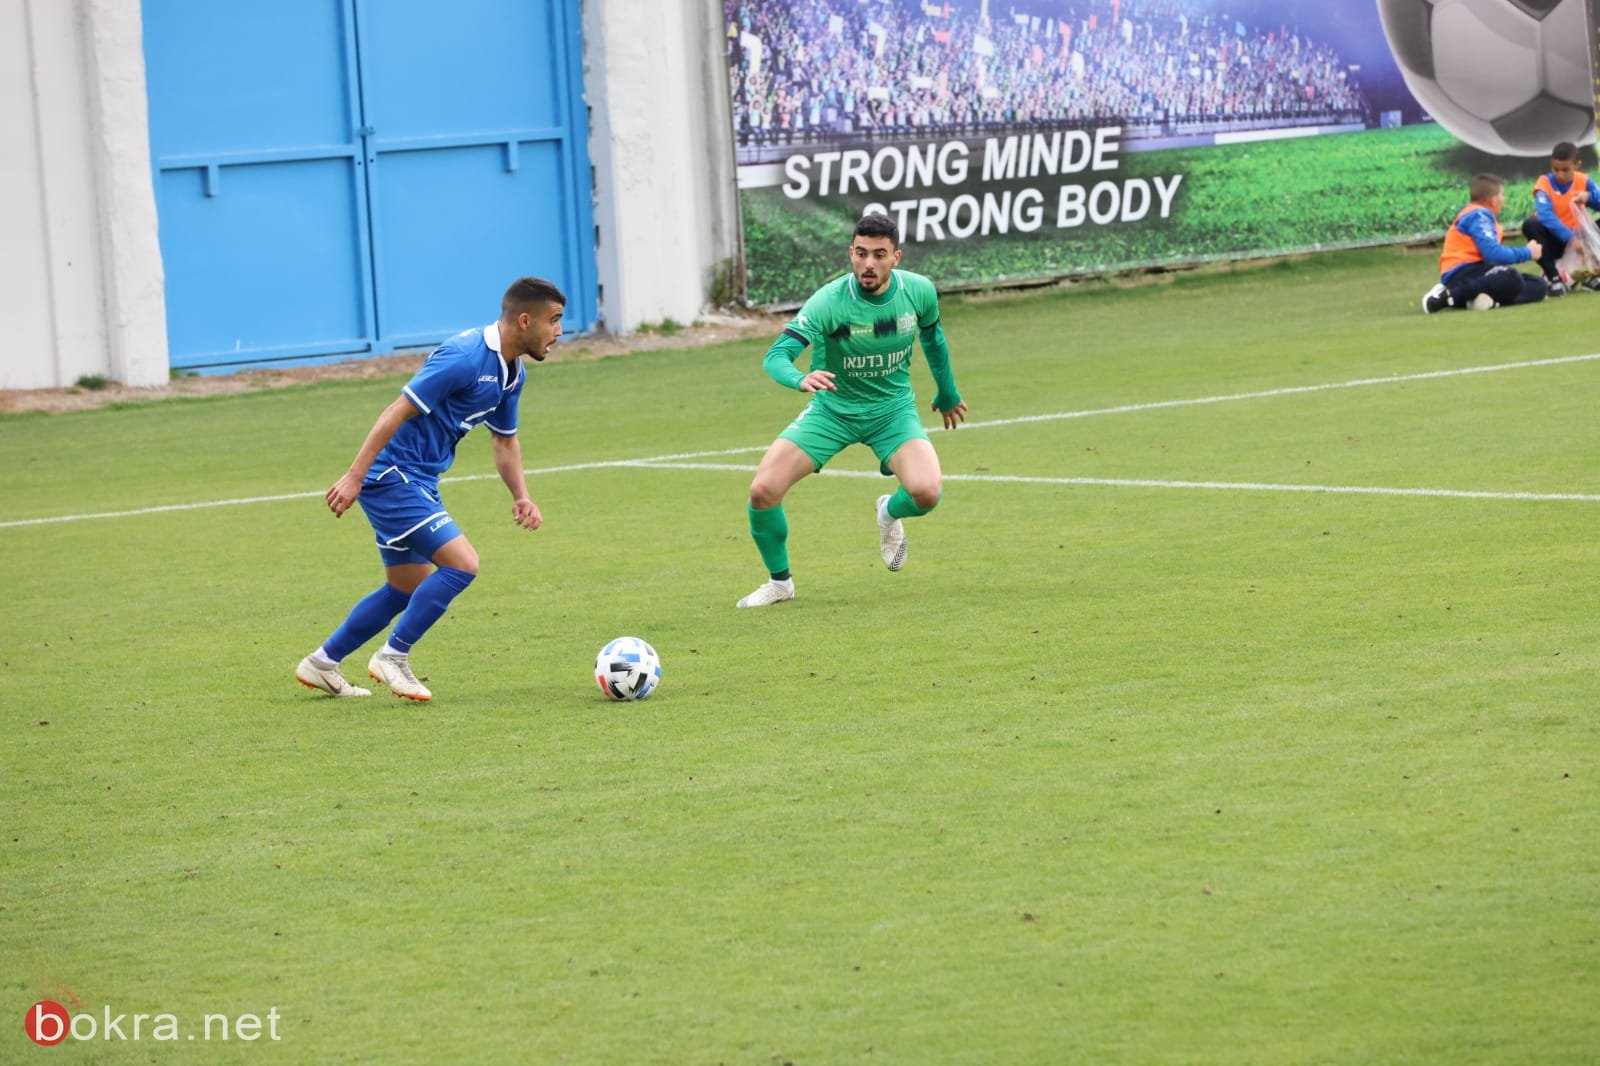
938, 353
809, 326
925, 299
779, 362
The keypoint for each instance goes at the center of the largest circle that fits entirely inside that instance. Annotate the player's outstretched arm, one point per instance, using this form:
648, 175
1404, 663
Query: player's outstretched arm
342, 496
779, 365
947, 401
508, 461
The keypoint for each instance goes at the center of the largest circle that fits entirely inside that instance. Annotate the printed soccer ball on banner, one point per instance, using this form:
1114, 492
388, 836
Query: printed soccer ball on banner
1510, 77
627, 669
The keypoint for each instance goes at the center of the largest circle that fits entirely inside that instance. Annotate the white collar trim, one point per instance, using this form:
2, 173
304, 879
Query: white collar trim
491, 337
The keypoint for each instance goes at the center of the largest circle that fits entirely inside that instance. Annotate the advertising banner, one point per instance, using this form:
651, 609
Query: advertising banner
1018, 140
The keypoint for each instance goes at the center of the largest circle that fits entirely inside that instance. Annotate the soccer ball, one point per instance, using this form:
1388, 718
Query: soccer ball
627, 669
1510, 77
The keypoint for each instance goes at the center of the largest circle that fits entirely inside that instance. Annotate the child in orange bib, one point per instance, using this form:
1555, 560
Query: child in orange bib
1558, 197
1477, 268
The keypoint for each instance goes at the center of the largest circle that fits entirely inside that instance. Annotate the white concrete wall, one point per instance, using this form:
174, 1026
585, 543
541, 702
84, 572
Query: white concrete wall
135, 290
81, 286
80, 280
666, 209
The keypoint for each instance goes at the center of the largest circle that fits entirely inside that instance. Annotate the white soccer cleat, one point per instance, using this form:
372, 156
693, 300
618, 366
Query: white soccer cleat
395, 671
769, 593
332, 681
891, 537
1482, 302
1436, 299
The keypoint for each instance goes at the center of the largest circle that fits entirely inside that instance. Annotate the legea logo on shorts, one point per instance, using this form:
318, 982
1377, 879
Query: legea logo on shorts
47, 1023
440, 524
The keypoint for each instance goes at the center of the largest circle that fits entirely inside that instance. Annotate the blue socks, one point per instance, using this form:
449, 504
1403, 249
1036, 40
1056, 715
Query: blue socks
421, 609
366, 621
428, 605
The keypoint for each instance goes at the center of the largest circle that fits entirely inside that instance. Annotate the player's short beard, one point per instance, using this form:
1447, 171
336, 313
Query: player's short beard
878, 285
526, 347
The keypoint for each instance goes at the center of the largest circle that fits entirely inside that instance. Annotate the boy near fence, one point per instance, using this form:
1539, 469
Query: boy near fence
1477, 269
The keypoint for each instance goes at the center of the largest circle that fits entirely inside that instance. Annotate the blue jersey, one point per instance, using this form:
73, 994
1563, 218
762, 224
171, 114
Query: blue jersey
464, 382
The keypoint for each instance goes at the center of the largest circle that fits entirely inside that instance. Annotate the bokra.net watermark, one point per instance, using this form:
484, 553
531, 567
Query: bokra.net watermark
48, 1023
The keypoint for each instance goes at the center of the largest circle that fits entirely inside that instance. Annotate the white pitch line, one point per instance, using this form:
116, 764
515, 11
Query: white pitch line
668, 460
1292, 390
156, 510
237, 501
1148, 483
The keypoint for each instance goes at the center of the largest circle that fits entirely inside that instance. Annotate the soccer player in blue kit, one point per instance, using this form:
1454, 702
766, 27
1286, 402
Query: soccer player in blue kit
474, 377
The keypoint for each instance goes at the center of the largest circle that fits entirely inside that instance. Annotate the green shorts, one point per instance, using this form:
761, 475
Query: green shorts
822, 433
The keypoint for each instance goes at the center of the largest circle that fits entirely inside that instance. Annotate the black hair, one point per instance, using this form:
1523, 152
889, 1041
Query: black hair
527, 293
878, 225
1565, 151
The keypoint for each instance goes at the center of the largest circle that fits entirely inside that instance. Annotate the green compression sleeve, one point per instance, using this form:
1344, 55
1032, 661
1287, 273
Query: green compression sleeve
938, 353
779, 361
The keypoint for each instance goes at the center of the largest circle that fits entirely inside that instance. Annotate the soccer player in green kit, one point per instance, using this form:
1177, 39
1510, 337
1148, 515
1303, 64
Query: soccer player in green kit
860, 328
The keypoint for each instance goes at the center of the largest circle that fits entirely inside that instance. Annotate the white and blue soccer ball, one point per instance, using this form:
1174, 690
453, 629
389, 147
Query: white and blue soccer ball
1509, 77
627, 669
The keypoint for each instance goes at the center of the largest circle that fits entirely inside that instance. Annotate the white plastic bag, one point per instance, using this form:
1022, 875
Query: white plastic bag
1581, 261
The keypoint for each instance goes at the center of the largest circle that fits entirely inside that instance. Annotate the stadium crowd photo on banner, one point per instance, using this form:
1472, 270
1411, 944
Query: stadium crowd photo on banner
1054, 137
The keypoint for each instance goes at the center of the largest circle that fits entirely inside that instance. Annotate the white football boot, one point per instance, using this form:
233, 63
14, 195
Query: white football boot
332, 681
395, 671
891, 537
769, 593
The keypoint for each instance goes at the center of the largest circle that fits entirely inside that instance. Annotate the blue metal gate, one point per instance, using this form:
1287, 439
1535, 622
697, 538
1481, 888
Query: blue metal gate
338, 176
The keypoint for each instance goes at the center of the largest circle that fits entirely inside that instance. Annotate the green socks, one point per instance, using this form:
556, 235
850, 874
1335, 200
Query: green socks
770, 530
901, 505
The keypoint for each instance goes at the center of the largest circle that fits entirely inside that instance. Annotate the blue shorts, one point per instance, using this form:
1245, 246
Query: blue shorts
408, 517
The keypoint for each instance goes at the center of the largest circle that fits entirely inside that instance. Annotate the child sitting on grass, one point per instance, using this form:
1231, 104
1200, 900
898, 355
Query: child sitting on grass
1558, 198
1476, 268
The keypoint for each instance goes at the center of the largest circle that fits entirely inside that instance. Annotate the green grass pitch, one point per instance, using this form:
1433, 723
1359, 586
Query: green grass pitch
1236, 705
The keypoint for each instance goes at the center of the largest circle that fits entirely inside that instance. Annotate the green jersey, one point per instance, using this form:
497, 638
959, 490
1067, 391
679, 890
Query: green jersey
865, 342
